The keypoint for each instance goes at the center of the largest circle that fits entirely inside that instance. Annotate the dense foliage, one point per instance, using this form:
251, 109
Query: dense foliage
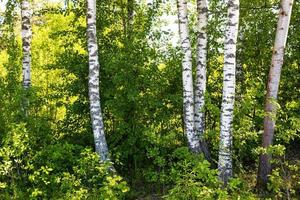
49, 153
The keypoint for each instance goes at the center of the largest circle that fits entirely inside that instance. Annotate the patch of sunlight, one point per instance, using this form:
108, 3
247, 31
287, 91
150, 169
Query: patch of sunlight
119, 44
292, 105
121, 88
61, 113
3, 60
80, 49
141, 94
220, 59
106, 31
161, 66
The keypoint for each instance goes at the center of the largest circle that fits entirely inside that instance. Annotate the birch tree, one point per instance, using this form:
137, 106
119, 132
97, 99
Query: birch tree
200, 83
26, 35
187, 78
26, 42
94, 94
272, 89
225, 157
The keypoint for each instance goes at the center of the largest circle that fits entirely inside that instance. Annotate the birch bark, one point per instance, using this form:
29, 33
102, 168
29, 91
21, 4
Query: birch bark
225, 157
187, 78
26, 42
272, 89
94, 94
200, 85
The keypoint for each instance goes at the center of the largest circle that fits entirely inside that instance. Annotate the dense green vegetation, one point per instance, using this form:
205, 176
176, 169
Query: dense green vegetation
49, 153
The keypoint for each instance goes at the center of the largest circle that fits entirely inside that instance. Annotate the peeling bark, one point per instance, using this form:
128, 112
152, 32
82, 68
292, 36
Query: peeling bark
272, 90
225, 152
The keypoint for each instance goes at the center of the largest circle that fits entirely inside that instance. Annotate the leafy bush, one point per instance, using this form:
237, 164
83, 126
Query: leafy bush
59, 171
194, 179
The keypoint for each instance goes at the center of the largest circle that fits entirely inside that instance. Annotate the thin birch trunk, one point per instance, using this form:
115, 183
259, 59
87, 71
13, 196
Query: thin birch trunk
26, 49
94, 94
200, 85
225, 154
26, 42
272, 90
187, 78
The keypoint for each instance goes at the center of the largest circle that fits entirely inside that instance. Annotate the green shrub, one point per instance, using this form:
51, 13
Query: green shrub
194, 179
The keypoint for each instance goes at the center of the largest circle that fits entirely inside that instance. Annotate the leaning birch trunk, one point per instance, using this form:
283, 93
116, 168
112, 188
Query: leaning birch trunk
187, 78
272, 90
225, 157
26, 46
94, 96
200, 85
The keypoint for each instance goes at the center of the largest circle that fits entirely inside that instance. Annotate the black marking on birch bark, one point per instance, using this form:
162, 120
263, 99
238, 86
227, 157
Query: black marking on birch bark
232, 24
230, 41
202, 36
26, 43
204, 10
25, 27
229, 74
230, 55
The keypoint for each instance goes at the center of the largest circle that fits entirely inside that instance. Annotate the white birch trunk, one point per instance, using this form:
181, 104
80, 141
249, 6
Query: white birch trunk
94, 94
26, 42
272, 88
225, 157
200, 85
187, 78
